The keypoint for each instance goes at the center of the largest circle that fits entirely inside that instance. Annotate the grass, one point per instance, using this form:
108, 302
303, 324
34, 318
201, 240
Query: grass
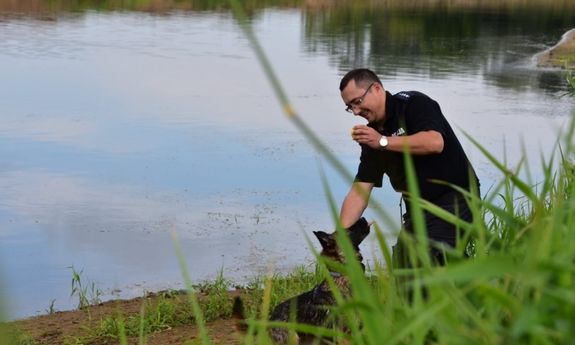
169, 309
88, 294
302, 278
14, 337
570, 78
517, 288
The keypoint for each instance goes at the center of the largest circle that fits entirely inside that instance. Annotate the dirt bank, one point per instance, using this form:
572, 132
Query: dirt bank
66, 327
560, 55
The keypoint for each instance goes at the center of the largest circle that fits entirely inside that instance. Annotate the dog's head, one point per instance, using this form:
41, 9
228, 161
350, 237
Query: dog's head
357, 233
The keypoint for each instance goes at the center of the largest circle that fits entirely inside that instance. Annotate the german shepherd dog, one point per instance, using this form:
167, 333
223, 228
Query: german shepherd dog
312, 307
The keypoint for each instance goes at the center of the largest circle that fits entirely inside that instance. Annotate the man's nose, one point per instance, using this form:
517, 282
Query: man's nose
355, 110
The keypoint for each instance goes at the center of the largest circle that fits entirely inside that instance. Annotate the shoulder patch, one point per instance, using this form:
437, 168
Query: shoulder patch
404, 95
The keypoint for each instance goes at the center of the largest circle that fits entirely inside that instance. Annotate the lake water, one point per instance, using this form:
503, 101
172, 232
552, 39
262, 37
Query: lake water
119, 127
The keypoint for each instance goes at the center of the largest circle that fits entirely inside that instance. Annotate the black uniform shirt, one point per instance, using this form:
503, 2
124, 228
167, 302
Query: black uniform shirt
408, 113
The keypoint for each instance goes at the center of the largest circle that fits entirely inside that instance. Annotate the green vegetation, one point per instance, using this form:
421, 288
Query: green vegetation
41, 8
88, 294
282, 287
12, 337
169, 309
517, 288
211, 5
373, 33
570, 77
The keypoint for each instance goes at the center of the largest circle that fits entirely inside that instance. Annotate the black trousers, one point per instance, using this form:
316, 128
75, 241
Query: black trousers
440, 233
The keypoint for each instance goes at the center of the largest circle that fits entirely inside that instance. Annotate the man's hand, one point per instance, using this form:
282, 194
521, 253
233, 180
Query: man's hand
366, 135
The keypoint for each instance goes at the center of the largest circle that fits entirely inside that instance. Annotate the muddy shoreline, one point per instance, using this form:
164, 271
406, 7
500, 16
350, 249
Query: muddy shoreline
62, 326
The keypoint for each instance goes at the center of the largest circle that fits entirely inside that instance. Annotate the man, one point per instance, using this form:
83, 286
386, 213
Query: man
412, 119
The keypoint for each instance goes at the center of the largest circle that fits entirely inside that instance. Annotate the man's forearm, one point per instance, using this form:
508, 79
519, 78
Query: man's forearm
421, 143
354, 204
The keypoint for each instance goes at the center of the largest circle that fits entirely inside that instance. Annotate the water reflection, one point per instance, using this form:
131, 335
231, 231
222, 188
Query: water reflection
441, 42
118, 126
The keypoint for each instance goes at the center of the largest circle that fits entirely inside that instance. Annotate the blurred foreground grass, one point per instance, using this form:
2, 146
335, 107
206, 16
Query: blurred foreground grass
518, 287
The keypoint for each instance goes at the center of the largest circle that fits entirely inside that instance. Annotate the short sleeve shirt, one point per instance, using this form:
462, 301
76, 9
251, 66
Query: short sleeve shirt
408, 113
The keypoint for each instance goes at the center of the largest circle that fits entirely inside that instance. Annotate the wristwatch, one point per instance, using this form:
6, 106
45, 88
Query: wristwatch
383, 142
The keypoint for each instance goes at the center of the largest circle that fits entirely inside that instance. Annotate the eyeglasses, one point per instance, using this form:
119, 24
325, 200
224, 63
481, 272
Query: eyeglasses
357, 101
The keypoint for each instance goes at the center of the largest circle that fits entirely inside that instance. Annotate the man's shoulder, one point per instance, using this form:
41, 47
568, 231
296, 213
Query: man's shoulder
409, 96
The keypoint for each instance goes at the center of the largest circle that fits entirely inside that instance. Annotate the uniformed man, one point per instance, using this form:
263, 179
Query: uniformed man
414, 119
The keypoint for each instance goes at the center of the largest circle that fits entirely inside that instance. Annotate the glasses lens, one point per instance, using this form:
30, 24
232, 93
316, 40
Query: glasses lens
357, 102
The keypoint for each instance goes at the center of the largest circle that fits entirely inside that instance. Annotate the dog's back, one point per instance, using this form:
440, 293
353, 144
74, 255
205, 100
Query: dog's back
311, 307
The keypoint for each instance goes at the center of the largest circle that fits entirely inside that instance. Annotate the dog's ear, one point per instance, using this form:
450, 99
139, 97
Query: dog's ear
325, 239
358, 231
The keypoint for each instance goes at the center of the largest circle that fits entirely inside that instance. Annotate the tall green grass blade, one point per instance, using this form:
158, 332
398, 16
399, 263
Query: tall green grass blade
3, 309
122, 332
418, 252
142, 325
353, 266
329, 197
416, 211
523, 187
264, 324
362, 290
382, 242
467, 271
279, 91
287, 107
198, 315
417, 324
519, 266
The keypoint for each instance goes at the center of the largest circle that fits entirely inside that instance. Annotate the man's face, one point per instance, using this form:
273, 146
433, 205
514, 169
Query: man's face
365, 100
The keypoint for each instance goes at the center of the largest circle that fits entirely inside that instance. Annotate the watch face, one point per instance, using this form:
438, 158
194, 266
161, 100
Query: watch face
383, 141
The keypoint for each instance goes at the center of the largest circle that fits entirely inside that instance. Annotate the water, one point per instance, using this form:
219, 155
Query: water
118, 128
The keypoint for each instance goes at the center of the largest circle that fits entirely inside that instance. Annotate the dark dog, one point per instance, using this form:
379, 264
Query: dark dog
312, 307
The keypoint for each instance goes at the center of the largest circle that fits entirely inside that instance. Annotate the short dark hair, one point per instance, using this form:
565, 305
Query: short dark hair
361, 76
